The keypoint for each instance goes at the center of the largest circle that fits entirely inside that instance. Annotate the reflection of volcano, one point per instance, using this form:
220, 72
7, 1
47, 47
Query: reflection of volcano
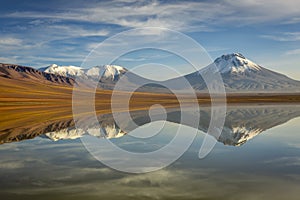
242, 123
237, 136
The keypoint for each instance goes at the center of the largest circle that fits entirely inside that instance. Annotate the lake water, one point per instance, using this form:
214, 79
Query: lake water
256, 157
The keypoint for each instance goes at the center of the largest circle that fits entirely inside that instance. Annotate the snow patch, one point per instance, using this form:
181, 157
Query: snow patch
238, 135
67, 71
109, 132
235, 63
106, 72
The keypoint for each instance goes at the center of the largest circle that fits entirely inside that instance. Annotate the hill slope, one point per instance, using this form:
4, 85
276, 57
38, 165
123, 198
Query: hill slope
22, 73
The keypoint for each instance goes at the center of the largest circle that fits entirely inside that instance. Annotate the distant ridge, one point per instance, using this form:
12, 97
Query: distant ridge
22, 73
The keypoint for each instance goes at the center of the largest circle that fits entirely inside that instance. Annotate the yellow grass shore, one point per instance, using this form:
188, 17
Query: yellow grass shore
24, 102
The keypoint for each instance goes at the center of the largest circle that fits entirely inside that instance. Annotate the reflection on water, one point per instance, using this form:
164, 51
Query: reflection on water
242, 123
50, 161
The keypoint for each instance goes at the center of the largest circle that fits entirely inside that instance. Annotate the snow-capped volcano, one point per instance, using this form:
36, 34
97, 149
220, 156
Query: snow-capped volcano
242, 75
235, 63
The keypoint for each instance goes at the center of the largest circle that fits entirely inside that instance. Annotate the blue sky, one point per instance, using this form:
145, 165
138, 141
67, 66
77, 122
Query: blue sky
39, 33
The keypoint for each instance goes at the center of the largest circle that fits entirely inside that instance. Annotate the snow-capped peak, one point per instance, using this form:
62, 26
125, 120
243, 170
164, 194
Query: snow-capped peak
107, 72
235, 63
68, 71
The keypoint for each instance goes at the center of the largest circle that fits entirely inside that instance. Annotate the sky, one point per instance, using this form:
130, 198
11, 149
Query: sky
40, 33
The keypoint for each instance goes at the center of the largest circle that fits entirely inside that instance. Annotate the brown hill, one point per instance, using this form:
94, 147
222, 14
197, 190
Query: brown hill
17, 72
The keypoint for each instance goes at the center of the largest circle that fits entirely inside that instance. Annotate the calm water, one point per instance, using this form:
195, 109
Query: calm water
256, 157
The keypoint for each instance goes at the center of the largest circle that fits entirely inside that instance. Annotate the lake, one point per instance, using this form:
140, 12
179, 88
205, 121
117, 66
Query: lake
257, 156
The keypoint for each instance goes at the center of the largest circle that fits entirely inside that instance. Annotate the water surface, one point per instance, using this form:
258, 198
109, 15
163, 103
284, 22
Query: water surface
256, 157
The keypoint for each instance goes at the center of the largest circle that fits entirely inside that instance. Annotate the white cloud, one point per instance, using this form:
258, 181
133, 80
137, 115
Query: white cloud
265, 10
286, 161
294, 145
10, 41
177, 15
293, 52
11, 59
76, 31
284, 37
11, 165
293, 20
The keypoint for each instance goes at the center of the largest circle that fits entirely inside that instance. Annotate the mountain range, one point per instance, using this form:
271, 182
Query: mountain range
108, 73
239, 75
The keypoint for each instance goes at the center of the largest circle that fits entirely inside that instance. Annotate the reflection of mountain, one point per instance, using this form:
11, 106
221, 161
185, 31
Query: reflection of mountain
245, 123
29, 131
107, 130
63, 129
242, 123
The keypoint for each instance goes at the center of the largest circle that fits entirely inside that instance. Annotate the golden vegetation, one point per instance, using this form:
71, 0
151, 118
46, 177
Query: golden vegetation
27, 102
